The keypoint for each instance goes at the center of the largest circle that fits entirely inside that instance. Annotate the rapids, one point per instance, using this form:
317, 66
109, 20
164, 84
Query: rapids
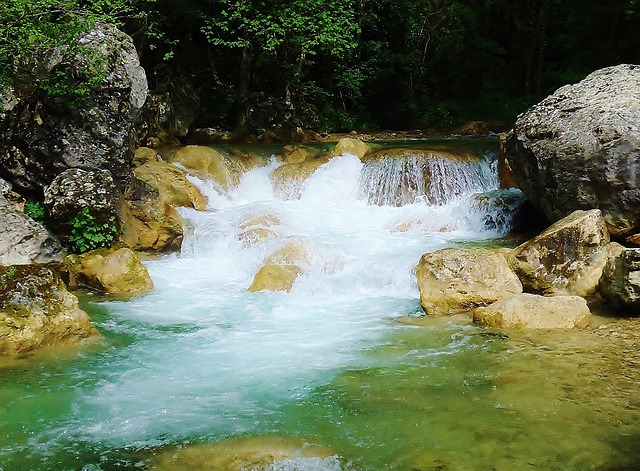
341, 359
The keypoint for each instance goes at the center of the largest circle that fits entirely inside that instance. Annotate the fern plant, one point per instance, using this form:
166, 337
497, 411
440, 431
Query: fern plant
89, 234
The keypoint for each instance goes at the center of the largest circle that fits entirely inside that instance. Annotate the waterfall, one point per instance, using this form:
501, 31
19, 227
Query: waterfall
202, 357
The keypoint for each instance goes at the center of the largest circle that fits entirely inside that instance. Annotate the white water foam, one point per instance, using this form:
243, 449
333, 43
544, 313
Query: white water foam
211, 358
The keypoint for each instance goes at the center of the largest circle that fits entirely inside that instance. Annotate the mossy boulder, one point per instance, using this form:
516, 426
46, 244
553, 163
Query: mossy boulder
36, 310
118, 272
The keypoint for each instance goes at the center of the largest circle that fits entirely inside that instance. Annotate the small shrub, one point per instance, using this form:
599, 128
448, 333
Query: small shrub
88, 234
35, 210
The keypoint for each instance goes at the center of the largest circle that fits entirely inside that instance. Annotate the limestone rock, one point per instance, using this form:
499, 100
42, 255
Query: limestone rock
23, 241
257, 228
455, 280
580, 149
565, 259
149, 223
250, 453
36, 310
620, 281
531, 311
142, 155
275, 278
205, 163
42, 136
293, 154
288, 180
348, 145
172, 184
473, 128
293, 252
75, 189
118, 272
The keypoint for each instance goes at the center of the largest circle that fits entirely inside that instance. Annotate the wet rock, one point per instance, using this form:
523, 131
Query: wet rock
348, 145
142, 155
293, 154
23, 241
118, 272
288, 179
530, 311
565, 259
456, 280
149, 223
76, 189
580, 149
208, 136
505, 172
273, 277
205, 163
36, 310
42, 136
293, 252
253, 453
172, 184
620, 283
257, 228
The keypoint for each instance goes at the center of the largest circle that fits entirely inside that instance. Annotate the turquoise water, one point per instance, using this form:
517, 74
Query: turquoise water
343, 362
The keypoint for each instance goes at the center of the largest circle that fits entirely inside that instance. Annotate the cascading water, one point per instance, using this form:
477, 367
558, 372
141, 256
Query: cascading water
202, 359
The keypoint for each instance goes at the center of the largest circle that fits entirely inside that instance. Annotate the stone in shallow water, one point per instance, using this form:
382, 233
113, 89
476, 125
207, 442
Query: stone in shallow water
36, 310
567, 258
531, 311
251, 453
455, 280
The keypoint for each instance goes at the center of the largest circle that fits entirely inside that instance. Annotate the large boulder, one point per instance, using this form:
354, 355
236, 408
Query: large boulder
457, 280
205, 163
565, 259
41, 135
531, 311
75, 189
348, 145
620, 283
23, 241
36, 310
172, 184
580, 149
149, 223
118, 272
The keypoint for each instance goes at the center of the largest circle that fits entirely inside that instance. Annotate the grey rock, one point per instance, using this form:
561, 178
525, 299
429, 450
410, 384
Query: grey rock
75, 189
23, 241
620, 282
567, 258
580, 149
42, 136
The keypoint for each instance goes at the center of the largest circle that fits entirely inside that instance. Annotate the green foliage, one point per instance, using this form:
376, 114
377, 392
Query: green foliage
87, 233
35, 210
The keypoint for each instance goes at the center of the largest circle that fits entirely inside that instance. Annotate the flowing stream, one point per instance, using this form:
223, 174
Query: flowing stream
344, 361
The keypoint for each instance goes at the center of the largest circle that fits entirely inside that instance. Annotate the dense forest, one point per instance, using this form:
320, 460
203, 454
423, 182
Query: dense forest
336, 65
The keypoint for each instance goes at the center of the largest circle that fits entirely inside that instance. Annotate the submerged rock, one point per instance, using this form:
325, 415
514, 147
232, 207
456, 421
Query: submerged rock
118, 272
36, 310
23, 241
530, 311
252, 453
565, 259
456, 280
580, 149
620, 283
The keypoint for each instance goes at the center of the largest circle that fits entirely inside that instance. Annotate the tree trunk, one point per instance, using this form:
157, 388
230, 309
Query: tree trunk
243, 90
